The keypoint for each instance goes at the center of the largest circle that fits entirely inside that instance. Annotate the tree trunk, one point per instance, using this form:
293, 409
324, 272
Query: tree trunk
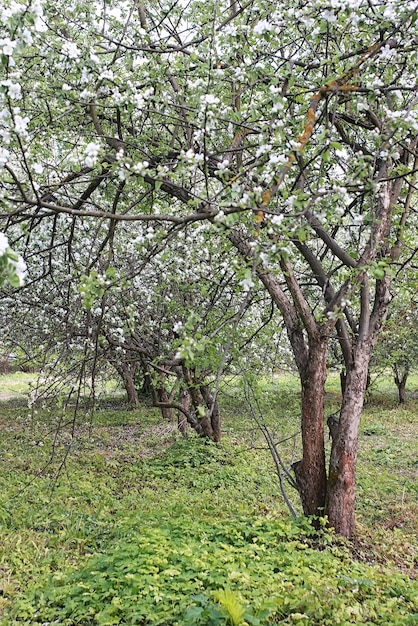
163, 398
213, 408
310, 472
400, 382
194, 387
131, 391
127, 373
342, 469
146, 389
402, 391
343, 378
182, 423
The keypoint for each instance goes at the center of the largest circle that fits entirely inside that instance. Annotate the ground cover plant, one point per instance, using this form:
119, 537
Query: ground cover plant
127, 523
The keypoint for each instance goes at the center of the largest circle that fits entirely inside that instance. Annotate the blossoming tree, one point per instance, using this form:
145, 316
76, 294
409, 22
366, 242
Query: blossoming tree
291, 129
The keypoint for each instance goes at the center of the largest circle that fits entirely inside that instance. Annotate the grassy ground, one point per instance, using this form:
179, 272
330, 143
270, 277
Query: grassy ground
115, 520
15, 385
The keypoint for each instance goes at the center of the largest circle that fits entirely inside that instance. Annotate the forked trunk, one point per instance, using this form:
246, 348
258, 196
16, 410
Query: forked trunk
400, 382
310, 472
402, 391
342, 470
201, 397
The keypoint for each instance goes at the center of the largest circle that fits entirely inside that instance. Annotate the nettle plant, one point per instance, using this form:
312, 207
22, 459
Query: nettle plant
291, 130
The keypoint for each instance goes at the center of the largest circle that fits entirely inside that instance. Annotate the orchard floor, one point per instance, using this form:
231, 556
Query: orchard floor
112, 518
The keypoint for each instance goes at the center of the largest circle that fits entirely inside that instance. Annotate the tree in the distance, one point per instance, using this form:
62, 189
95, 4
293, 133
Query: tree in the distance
398, 346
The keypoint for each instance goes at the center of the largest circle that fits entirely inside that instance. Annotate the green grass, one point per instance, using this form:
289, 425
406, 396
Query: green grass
16, 384
19, 384
116, 520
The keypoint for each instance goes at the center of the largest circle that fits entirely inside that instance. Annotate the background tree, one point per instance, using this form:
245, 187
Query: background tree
165, 315
398, 347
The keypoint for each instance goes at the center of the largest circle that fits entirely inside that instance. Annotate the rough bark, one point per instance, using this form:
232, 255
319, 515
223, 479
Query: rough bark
335, 496
343, 379
342, 469
310, 472
146, 389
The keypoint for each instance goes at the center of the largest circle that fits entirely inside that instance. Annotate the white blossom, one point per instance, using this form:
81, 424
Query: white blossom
87, 94
37, 8
262, 26
70, 50
223, 165
21, 124
7, 46
276, 220
389, 12
209, 98
140, 167
329, 16
247, 283
138, 61
38, 168
189, 155
27, 37
277, 158
263, 149
107, 73
4, 157
85, 75
4, 244
92, 151
40, 25
20, 269
387, 52
94, 57
14, 90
